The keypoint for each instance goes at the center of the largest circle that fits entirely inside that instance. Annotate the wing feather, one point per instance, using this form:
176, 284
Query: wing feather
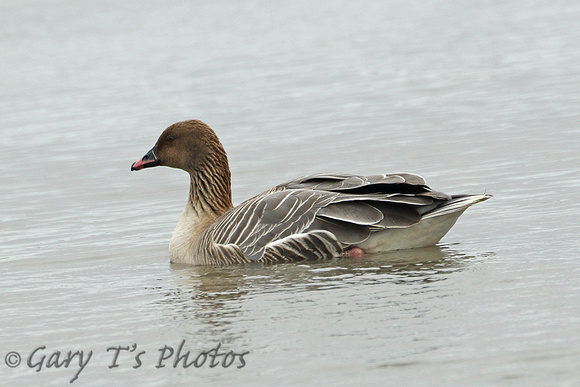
347, 233
266, 218
317, 216
352, 212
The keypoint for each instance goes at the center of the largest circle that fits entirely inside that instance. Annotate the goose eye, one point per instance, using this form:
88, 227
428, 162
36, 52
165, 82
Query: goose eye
169, 138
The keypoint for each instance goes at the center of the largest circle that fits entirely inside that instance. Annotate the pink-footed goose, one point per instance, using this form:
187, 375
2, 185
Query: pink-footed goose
313, 217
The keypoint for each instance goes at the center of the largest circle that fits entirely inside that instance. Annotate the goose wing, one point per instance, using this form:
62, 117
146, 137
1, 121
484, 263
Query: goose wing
271, 226
317, 216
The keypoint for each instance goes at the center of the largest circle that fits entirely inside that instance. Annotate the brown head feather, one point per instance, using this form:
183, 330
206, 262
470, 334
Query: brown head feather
195, 148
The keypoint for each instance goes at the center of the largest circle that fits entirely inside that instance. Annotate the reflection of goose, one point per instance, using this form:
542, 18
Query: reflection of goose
316, 216
213, 287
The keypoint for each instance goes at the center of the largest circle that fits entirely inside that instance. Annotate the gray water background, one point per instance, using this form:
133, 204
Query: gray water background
479, 96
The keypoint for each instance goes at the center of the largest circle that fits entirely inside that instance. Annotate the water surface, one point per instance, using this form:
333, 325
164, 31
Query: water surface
476, 97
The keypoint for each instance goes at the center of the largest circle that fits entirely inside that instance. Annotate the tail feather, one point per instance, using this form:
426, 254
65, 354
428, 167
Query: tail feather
457, 203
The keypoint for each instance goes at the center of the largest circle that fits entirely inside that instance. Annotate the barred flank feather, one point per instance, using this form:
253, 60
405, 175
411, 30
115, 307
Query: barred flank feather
313, 245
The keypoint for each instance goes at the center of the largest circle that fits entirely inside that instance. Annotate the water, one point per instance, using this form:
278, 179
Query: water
479, 97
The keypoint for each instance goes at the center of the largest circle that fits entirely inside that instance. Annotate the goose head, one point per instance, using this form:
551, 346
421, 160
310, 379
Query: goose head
189, 145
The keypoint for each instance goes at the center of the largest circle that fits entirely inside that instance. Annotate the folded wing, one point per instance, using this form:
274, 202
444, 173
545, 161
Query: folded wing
320, 215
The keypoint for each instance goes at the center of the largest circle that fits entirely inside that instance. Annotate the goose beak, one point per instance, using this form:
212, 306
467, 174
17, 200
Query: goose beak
149, 160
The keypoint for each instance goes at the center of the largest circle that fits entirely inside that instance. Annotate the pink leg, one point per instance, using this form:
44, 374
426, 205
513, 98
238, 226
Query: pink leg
356, 252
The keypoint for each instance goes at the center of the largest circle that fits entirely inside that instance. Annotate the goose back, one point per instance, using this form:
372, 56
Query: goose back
321, 215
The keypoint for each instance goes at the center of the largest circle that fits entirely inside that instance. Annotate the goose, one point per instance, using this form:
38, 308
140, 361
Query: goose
316, 216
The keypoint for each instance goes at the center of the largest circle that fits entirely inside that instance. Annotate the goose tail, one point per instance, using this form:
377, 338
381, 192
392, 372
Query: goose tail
458, 203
